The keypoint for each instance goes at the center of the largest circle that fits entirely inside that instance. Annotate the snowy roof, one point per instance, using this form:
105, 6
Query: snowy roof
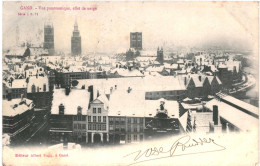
155, 68
38, 51
144, 59
235, 116
9, 108
75, 69
242, 104
17, 83
127, 73
134, 104
198, 82
76, 97
39, 83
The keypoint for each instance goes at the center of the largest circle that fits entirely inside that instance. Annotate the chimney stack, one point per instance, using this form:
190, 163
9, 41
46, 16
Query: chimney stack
111, 90
61, 109
185, 80
215, 114
129, 89
90, 90
67, 90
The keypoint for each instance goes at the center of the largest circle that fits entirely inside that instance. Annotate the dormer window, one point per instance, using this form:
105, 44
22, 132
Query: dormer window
33, 88
79, 110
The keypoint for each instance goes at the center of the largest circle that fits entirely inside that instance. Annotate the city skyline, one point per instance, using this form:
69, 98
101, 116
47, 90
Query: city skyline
110, 32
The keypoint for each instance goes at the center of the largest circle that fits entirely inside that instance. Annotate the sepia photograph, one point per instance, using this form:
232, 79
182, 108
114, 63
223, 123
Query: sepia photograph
130, 83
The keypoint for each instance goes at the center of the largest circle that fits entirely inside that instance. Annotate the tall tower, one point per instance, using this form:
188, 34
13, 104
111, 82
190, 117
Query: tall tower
49, 37
75, 41
136, 40
160, 56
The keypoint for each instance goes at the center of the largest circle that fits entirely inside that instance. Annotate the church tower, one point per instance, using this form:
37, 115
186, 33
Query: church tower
49, 37
75, 41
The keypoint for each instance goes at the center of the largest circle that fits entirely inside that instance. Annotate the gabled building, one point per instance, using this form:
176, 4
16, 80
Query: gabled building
68, 119
97, 122
18, 119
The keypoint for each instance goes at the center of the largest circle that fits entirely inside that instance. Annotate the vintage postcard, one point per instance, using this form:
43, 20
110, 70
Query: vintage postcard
130, 83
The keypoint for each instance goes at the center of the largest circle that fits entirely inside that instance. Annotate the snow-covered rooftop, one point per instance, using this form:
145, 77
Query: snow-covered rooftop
235, 116
76, 97
16, 106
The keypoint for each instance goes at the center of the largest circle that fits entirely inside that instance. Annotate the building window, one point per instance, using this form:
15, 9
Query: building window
129, 128
89, 118
117, 128
135, 120
94, 110
99, 126
104, 119
79, 126
94, 118
83, 126
135, 137
99, 118
122, 137
111, 127
104, 127
129, 137
135, 129
141, 120
99, 110
128, 120
141, 137
94, 127
141, 129
89, 127
75, 126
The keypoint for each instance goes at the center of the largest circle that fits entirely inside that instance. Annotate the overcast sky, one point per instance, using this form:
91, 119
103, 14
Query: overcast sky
162, 23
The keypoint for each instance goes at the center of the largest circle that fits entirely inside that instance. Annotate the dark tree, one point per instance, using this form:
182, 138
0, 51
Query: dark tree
74, 83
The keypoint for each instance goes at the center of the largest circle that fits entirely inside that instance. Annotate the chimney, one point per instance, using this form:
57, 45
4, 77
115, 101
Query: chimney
111, 90
215, 114
200, 78
115, 87
61, 109
129, 90
185, 80
67, 90
90, 90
